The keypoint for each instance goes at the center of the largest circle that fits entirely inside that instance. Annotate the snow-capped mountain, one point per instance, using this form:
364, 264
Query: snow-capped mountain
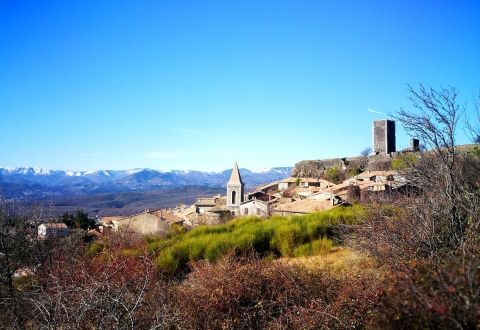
31, 182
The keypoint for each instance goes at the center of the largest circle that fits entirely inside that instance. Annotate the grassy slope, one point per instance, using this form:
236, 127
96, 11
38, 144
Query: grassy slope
276, 236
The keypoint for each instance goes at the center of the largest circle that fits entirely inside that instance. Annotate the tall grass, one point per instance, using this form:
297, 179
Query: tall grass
280, 236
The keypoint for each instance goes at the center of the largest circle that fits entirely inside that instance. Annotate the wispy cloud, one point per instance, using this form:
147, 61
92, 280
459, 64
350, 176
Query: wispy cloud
375, 111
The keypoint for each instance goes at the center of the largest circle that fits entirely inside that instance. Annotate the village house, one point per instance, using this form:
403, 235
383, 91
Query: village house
52, 230
287, 183
257, 207
312, 182
156, 222
205, 204
269, 188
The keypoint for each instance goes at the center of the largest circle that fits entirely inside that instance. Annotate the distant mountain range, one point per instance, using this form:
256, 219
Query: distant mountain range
27, 183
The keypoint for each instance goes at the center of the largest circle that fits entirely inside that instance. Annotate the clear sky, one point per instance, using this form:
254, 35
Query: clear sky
172, 84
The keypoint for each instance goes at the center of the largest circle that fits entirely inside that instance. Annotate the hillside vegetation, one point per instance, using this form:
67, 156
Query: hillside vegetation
273, 237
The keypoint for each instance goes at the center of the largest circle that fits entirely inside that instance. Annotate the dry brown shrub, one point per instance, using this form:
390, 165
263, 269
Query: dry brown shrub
251, 294
440, 297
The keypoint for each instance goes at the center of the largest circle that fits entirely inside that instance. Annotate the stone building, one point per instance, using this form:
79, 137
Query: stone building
256, 207
156, 222
235, 191
384, 137
52, 230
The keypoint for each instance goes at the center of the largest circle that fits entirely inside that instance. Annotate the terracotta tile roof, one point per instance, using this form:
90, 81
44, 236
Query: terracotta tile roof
219, 208
338, 187
368, 174
167, 216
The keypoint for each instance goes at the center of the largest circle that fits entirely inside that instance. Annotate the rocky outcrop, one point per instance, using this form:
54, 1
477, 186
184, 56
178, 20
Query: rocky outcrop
315, 168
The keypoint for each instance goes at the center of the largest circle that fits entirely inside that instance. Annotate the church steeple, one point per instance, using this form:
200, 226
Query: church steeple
235, 188
235, 177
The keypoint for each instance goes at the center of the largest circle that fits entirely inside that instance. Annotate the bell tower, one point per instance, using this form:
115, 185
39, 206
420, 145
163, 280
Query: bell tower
235, 190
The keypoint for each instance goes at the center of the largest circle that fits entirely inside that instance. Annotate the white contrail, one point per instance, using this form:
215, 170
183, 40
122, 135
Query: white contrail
375, 111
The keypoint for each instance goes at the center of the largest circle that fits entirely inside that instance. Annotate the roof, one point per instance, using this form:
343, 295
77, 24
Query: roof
110, 219
235, 177
219, 209
288, 180
167, 216
58, 225
260, 201
205, 201
368, 174
266, 186
305, 206
338, 187
221, 200
316, 180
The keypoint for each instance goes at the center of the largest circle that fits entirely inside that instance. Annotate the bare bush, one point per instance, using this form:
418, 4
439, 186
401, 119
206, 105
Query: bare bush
447, 203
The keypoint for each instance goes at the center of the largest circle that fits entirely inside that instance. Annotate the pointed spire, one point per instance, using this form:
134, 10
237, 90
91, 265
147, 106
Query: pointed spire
235, 178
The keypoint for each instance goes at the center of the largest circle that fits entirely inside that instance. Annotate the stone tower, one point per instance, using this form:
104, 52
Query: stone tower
235, 189
384, 136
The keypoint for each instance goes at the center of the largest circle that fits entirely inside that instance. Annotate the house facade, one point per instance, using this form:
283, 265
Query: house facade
52, 230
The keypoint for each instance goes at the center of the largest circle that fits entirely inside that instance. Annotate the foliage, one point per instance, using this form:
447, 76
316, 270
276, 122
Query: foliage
96, 248
334, 174
277, 235
404, 162
251, 294
318, 246
79, 219
353, 171
297, 181
442, 296
365, 152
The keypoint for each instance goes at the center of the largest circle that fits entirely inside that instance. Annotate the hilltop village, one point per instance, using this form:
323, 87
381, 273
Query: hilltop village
314, 186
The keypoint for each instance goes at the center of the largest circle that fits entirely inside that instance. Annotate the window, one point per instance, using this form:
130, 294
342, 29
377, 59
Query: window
245, 211
234, 196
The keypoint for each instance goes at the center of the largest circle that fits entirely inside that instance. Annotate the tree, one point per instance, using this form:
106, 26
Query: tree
17, 242
365, 152
79, 219
473, 125
334, 174
446, 203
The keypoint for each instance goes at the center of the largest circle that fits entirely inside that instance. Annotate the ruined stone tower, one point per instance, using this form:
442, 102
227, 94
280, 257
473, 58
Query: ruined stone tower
384, 136
235, 189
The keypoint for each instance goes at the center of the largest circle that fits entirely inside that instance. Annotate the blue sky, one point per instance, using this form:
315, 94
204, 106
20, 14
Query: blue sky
171, 84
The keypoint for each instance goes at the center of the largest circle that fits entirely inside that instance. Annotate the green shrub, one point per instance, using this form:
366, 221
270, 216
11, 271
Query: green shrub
96, 248
131, 252
353, 172
334, 174
319, 246
322, 246
276, 236
404, 161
